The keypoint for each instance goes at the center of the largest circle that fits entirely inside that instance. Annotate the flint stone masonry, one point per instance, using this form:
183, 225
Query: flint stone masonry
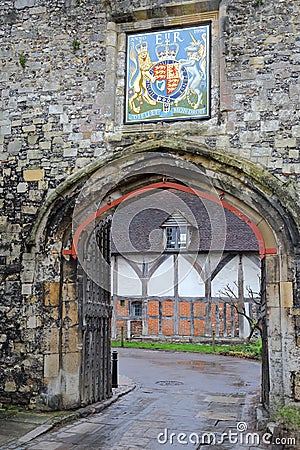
62, 109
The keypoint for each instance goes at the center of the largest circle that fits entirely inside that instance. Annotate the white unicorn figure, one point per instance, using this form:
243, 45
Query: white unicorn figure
196, 66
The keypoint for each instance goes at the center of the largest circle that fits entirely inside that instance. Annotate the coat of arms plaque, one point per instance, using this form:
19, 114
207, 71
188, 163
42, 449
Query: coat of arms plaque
168, 75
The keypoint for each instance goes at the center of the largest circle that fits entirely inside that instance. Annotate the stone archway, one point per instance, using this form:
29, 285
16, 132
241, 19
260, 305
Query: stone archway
250, 189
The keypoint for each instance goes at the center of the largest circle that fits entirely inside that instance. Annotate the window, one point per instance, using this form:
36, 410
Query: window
137, 309
176, 238
177, 231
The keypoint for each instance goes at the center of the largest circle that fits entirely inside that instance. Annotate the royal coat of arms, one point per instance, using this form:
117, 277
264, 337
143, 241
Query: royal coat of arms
167, 75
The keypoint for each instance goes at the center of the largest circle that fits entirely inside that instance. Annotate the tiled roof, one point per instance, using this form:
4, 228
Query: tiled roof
137, 224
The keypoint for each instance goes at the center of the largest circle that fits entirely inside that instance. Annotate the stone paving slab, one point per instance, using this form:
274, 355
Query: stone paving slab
20, 428
35, 433
51, 446
217, 415
9, 431
222, 399
28, 417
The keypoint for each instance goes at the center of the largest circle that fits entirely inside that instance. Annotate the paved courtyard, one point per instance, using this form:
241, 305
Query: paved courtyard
179, 398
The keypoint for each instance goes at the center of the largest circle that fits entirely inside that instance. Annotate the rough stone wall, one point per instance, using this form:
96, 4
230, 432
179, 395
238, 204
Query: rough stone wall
62, 87
51, 124
263, 71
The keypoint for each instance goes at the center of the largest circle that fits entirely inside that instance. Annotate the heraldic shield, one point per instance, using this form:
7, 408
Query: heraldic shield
168, 75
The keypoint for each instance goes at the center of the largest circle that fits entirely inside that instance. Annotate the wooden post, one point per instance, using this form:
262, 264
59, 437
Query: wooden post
241, 301
213, 341
122, 337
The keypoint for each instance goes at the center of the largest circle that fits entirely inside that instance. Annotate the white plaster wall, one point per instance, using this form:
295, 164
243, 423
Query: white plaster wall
252, 275
112, 274
162, 281
129, 283
212, 260
227, 276
190, 282
246, 323
138, 258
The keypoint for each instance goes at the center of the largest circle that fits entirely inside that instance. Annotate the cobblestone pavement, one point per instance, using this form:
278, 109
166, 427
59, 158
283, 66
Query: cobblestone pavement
176, 393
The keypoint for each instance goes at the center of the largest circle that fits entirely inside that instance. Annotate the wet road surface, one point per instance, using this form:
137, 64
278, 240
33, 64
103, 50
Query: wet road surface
179, 398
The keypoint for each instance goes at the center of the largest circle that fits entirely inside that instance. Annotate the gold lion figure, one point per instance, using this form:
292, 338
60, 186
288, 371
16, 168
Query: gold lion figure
139, 85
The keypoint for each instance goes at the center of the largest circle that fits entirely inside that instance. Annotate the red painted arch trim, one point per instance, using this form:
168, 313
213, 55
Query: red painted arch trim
271, 251
254, 228
178, 187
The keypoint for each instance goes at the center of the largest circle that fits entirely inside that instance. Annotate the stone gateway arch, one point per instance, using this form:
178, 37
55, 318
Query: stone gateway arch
63, 131
78, 291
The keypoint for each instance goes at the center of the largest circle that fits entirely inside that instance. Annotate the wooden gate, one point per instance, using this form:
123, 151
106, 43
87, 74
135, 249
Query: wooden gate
265, 380
96, 317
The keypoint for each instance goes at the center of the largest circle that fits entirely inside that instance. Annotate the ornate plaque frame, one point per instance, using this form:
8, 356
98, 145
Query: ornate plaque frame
168, 74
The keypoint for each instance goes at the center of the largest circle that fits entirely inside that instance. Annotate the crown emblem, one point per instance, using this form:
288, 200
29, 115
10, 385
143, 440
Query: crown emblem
142, 47
166, 51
